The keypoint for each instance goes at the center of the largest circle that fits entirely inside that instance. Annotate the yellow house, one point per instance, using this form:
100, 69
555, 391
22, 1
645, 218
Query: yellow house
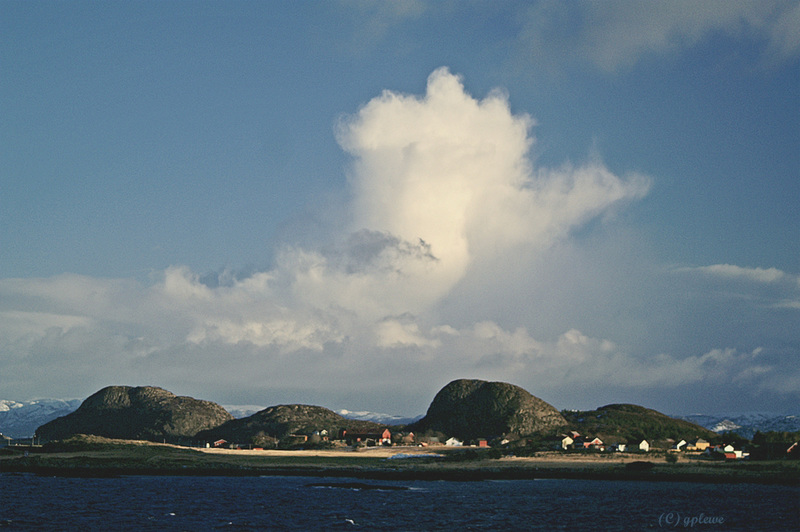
698, 445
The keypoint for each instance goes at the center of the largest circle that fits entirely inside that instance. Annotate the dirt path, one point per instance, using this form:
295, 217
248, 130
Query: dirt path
368, 452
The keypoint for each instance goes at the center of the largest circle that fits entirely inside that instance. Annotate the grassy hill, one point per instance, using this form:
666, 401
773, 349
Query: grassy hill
278, 422
633, 423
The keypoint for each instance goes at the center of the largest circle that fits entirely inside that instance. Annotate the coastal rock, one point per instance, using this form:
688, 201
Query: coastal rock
470, 409
140, 413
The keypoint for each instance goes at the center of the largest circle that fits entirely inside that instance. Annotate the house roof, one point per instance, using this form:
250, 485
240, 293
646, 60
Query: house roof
369, 435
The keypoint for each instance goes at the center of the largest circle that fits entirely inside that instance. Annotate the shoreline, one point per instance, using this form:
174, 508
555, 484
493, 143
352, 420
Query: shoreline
393, 463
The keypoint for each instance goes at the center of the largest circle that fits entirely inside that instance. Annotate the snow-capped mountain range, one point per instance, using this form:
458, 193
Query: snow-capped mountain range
240, 411
747, 424
21, 419
384, 419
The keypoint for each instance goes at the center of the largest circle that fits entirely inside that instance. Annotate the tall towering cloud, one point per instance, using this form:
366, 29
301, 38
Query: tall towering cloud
439, 182
451, 175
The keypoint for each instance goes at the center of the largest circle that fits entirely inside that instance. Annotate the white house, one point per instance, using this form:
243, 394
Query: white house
644, 446
453, 442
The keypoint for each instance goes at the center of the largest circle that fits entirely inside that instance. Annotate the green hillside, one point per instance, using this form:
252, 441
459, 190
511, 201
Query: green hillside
632, 423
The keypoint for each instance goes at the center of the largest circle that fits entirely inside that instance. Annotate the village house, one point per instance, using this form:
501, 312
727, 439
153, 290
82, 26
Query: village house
698, 445
406, 439
644, 446
319, 436
585, 443
563, 442
728, 452
454, 442
594, 443
614, 444
376, 438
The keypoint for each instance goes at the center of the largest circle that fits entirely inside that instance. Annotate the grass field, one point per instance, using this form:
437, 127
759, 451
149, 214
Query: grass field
92, 456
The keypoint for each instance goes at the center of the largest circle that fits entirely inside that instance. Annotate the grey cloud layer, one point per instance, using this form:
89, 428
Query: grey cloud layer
618, 33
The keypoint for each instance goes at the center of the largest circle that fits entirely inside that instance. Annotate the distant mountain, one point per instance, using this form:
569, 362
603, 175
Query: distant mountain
277, 422
21, 419
469, 409
140, 413
240, 411
383, 419
632, 423
747, 424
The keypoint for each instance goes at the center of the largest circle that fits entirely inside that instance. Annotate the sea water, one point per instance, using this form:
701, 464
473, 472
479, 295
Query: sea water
31, 502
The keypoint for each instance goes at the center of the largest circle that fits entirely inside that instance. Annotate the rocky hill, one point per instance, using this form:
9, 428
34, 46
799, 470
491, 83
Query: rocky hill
470, 409
140, 413
278, 422
633, 423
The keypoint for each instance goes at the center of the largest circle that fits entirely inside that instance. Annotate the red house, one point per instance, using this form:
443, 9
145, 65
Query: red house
380, 438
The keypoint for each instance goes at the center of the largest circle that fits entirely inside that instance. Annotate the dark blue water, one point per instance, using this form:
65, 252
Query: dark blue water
291, 503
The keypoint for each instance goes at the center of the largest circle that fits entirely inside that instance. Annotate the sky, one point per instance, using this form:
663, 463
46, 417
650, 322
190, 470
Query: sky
352, 203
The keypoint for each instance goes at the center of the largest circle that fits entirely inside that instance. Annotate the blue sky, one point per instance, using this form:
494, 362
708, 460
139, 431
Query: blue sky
353, 203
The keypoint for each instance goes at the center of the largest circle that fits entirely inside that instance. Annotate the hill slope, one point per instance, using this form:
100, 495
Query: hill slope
470, 409
633, 423
280, 421
140, 413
